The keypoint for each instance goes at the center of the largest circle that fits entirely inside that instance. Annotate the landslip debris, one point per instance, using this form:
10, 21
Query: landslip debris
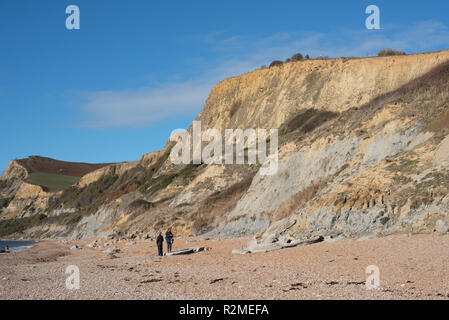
186, 251
275, 246
112, 250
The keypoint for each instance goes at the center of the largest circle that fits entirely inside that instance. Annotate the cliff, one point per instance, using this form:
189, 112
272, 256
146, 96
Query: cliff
363, 150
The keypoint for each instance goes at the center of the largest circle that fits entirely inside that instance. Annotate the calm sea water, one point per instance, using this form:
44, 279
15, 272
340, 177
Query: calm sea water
15, 246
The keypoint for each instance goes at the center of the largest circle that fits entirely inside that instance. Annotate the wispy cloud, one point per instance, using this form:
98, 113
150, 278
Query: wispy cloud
237, 54
144, 106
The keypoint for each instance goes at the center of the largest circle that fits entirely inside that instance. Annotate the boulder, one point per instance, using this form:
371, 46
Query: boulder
93, 244
240, 251
185, 251
179, 252
112, 250
276, 246
304, 242
367, 237
441, 227
264, 248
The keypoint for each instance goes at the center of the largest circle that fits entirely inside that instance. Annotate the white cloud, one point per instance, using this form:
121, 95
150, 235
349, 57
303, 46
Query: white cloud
144, 106
238, 54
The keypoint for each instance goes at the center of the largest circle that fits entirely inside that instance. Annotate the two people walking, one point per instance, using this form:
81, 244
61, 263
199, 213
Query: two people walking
5, 249
169, 238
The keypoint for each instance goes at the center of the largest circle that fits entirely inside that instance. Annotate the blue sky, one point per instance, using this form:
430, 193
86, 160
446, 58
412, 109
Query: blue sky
136, 69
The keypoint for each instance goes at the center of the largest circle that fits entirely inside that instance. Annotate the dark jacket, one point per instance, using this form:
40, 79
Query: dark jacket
159, 240
169, 236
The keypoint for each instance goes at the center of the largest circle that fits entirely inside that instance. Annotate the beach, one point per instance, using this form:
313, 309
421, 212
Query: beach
15, 246
410, 267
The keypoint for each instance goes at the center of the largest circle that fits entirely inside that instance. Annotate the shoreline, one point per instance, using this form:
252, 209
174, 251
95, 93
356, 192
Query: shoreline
411, 267
23, 245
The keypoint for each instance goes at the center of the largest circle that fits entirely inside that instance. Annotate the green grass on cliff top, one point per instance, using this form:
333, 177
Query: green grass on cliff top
53, 182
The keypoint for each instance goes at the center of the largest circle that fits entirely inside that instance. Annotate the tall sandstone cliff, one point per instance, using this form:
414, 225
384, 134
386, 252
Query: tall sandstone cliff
363, 150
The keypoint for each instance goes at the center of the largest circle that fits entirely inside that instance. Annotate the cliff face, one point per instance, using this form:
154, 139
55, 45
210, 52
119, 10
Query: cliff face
363, 150
267, 98
14, 171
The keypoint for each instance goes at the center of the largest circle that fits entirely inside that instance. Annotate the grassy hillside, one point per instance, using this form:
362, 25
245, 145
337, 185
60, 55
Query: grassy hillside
52, 182
52, 166
55, 175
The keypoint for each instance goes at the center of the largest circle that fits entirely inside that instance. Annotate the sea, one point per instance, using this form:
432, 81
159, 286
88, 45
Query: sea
15, 246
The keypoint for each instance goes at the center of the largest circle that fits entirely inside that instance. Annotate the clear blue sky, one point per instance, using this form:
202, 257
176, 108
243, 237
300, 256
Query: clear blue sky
136, 70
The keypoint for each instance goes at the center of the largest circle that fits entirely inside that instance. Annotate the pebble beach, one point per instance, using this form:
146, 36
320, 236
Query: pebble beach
410, 267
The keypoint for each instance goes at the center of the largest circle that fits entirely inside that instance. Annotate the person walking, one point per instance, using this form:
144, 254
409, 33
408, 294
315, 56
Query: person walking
169, 239
159, 242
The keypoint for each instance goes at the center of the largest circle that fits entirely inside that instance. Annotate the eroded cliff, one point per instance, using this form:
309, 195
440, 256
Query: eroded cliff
363, 150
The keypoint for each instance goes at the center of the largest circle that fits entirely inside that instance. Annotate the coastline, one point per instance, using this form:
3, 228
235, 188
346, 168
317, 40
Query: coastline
411, 267
18, 245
